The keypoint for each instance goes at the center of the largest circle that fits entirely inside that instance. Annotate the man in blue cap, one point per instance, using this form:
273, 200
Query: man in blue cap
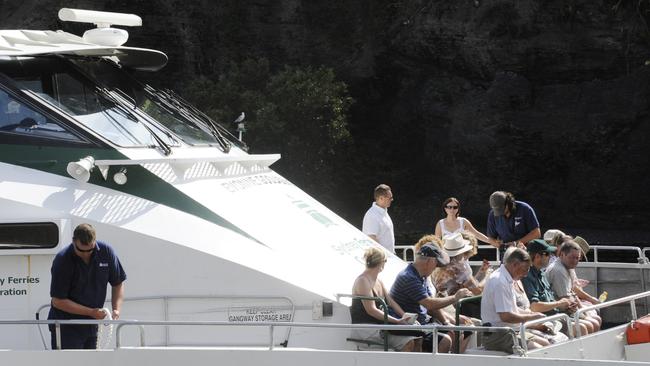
414, 294
511, 222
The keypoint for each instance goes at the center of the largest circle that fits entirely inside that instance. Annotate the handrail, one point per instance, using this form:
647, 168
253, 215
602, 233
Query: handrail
141, 323
563, 316
382, 303
631, 299
459, 305
595, 248
167, 298
405, 249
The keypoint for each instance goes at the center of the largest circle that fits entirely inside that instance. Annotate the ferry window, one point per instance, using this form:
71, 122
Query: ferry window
16, 117
98, 113
55, 82
190, 132
31, 235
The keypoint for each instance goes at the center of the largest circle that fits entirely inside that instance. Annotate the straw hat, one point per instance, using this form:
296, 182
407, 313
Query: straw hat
582, 243
455, 244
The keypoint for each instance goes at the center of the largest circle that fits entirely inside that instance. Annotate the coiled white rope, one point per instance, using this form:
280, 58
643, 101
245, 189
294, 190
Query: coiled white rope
105, 331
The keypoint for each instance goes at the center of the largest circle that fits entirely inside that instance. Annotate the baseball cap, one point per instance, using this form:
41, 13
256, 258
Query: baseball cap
552, 233
498, 202
432, 251
540, 246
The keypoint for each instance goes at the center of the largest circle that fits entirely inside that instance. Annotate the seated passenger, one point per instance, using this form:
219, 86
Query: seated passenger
499, 303
458, 274
561, 275
370, 312
537, 287
414, 293
549, 331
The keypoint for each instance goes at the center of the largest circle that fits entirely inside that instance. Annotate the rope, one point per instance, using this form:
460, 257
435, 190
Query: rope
104, 331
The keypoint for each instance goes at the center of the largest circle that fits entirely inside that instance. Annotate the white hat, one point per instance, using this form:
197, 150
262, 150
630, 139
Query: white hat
455, 244
552, 233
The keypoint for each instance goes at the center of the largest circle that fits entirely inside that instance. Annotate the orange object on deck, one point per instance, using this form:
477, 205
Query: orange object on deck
639, 331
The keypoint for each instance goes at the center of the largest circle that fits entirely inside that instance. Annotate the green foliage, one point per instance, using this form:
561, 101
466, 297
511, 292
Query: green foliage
300, 112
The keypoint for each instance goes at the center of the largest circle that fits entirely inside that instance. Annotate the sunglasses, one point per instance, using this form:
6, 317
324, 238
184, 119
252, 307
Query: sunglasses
452, 207
84, 250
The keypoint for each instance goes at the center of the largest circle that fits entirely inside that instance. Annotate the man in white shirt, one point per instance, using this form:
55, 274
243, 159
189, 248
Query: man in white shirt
499, 305
376, 222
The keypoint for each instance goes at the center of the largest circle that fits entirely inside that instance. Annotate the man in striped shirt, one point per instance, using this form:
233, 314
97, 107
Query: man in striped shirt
415, 294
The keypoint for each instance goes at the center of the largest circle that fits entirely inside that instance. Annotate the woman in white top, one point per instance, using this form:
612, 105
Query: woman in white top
453, 223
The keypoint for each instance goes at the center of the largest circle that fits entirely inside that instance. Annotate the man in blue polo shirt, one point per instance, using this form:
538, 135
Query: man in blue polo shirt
412, 292
80, 275
511, 222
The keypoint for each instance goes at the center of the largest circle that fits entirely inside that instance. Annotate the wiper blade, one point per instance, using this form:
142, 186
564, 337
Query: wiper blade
119, 104
171, 100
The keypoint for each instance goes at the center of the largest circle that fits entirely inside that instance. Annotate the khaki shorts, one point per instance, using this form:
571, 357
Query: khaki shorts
502, 341
396, 342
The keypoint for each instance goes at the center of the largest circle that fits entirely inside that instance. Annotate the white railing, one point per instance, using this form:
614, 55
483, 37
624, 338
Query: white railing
409, 249
560, 316
627, 299
166, 299
119, 324
596, 248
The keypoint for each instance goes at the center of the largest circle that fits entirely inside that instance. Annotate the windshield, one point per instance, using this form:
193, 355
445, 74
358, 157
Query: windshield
54, 81
161, 106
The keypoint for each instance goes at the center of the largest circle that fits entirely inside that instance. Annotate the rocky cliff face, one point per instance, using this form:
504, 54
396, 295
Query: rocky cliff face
548, 99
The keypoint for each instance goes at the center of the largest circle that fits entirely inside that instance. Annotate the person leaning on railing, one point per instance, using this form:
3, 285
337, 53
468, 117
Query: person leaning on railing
368, 312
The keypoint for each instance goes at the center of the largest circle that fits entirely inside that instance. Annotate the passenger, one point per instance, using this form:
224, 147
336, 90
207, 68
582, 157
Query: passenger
80, 275
453, 223
458, 274
369, 312
499, 303
537, 287
561, 275
512, 222
414, 293
549, 331
555, 237
377, 224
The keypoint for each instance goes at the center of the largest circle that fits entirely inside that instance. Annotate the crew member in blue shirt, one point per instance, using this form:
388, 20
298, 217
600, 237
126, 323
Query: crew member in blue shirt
80, 275
511, 222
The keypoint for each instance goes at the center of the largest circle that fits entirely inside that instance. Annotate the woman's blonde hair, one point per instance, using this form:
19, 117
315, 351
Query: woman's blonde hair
374, 257
429, 238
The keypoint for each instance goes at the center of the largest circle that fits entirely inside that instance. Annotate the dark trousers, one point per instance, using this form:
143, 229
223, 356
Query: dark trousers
75, 337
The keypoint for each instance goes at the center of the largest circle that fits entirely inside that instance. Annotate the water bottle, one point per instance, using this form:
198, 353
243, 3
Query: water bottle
603, 296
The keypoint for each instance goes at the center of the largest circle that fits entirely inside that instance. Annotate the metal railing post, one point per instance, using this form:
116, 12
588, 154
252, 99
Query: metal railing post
434, 341
459, 306
142, 336
57, 333
271, 337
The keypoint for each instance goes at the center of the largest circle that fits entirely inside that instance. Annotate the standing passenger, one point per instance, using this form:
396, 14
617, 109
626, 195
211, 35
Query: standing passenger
376, 223
454, 223
513, 223
80, 274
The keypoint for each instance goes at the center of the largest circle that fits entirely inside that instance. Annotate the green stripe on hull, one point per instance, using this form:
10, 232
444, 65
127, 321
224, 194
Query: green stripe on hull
142, 183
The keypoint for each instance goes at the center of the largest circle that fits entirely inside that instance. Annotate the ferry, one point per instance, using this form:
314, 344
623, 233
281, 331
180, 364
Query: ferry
227, 261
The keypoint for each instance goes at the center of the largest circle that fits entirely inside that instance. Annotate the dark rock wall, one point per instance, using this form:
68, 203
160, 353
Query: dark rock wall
546, 98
